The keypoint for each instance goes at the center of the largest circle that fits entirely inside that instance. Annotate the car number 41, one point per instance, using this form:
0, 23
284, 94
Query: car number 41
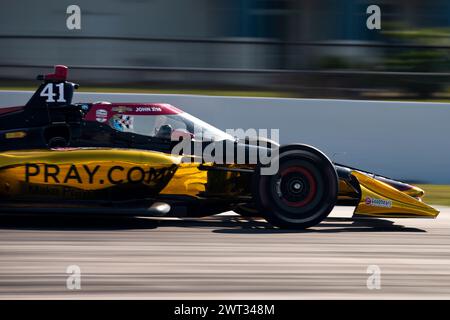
49, 89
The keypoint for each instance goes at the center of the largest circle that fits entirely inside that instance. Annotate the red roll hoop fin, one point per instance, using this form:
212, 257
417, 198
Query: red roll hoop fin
60, 74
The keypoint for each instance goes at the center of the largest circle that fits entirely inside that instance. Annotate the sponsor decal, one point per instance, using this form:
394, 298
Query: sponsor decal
122, 122
15, 135
374, 202
148, 109
101, 115
94, 174
122, 109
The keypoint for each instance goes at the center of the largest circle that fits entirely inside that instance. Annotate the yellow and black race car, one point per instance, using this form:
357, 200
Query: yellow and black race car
149, 159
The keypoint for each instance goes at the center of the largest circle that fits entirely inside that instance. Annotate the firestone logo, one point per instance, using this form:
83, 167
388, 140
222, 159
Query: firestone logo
378, 202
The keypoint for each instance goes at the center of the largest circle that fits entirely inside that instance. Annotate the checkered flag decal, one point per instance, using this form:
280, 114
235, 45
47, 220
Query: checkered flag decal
125, 121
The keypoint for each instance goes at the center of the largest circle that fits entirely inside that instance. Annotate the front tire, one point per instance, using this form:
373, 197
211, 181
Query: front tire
303, 191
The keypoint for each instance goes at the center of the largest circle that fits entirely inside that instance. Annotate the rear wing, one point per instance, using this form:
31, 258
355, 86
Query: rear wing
54, 90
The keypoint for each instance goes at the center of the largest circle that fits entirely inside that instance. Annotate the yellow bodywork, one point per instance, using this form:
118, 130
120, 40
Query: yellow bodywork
188, 180
379, 199
90, 169
84, 161
109, 174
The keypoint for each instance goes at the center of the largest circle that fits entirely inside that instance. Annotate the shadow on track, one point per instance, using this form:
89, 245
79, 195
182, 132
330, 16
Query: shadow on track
241, 225
330, 225
75, 223
220, 224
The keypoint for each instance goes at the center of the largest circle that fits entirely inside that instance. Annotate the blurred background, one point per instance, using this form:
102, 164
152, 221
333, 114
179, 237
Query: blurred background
299, 48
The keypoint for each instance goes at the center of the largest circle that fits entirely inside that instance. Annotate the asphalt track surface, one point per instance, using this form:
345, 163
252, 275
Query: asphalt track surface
224, 257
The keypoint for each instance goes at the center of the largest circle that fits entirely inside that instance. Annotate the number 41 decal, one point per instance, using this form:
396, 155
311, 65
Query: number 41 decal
48, 92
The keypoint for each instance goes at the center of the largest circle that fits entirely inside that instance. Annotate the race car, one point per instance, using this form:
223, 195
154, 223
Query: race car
119, 158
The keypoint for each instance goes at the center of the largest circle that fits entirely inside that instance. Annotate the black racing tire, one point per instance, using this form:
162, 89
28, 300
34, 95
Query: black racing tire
303, 191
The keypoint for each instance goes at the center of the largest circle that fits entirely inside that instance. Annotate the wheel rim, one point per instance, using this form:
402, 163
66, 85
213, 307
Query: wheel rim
296, 186
318, 188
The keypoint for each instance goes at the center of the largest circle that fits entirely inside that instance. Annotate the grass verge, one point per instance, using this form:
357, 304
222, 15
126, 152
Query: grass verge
436, 194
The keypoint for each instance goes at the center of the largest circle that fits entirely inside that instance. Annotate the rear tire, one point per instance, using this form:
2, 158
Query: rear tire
303, 191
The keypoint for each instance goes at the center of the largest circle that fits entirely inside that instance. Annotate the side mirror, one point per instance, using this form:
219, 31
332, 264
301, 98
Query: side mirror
180, 134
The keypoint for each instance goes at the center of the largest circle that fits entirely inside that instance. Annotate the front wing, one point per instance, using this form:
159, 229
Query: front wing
379, 199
